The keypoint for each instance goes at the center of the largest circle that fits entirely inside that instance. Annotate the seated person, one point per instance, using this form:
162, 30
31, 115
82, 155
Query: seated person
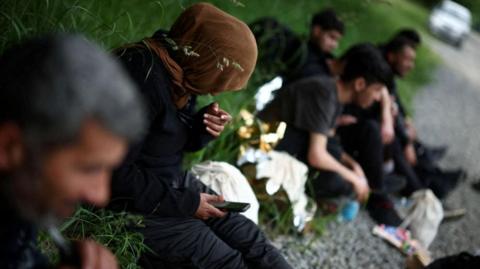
310, 107
326, 31
206, 51
284, 52
67, 111
400, 53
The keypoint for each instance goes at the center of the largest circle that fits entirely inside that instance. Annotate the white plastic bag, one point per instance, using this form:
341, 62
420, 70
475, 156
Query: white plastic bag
283, 170
227, 180
424, 216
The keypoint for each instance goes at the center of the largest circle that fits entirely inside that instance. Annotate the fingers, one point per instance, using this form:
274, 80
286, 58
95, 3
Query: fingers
215, 212
214, 107
96, 256
215, 124
88, 254
221, 117
216, 120
106, 259
211, 211
362, 195
362, 190
346, 120
212, 132
213, 198
350, 119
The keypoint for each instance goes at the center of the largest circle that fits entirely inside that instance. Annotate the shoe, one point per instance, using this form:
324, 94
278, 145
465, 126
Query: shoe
393, 183
382, 210
476, 185
453, 213
444, 182
437, 153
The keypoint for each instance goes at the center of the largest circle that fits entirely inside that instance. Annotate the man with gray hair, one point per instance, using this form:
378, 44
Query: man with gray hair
67, 113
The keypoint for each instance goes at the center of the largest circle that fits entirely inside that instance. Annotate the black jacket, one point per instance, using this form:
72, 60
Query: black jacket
18, 241
146, 182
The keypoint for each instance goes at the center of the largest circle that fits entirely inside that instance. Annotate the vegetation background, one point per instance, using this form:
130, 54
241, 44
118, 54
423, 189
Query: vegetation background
112, 23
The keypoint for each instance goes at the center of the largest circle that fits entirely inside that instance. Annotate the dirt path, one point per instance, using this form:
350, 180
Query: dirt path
448, 112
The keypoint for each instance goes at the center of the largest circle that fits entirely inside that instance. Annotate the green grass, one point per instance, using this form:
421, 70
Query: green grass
115, 22
108, 228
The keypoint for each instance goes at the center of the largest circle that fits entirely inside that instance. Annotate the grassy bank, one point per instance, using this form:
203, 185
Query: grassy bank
115, 22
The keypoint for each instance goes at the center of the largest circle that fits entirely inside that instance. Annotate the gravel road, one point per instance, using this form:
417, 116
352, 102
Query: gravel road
446, 112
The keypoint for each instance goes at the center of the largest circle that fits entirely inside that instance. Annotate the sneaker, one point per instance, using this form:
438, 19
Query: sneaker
453, 213
382, 210
476, 186
437, 153
445, 181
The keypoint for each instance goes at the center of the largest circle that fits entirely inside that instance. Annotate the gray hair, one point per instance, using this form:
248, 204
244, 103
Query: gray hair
49, 86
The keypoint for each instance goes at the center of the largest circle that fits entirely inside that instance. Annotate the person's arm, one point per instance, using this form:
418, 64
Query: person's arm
387, 122
319, 158
349, 162
147, 193
94, 256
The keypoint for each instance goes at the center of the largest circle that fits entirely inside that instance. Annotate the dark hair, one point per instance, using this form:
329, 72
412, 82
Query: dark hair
327, 19
410, 34
50, 85
396, 44
365, 60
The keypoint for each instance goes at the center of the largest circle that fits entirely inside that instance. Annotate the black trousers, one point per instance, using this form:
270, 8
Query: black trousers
363, 142
230, 242
404, 168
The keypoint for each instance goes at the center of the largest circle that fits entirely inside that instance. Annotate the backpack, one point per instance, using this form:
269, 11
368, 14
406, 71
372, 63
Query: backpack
423, 217
280, 49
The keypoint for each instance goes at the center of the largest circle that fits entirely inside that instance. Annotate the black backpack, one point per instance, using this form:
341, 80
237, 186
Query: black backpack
280, 49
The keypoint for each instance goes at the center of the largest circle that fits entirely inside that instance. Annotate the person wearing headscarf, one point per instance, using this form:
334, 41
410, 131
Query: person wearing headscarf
206, 51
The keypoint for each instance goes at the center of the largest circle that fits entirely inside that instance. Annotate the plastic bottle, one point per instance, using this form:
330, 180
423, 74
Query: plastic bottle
349, 211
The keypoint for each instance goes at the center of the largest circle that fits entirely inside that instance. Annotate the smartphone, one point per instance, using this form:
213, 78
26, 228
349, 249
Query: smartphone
232, 206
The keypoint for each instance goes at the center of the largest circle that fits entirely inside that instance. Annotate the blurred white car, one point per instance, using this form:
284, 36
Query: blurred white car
451, 21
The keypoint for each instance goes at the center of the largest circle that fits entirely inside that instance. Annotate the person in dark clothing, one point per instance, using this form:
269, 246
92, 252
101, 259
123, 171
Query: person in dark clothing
326, 31
310, 107
412, 154
206, 51
67, 111
411, 34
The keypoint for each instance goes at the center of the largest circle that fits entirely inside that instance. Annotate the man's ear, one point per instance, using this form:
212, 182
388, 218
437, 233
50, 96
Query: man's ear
359, 84
391, 57
316, 31
11, 146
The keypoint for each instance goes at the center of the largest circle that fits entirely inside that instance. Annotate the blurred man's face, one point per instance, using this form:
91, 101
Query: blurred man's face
366, 95
403, 61
326, 40
76, 173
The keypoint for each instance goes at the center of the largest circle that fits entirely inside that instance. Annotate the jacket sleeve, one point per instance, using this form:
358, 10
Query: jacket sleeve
132, 183
146, 193
401, 131
198, 137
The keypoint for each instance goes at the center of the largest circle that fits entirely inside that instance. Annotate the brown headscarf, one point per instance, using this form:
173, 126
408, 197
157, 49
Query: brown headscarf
212, 52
